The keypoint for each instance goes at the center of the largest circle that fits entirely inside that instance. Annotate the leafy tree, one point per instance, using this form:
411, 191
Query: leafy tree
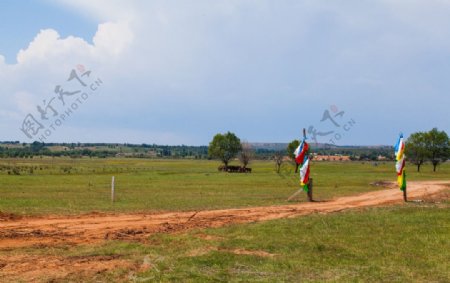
36, 146
438, 146
292, 146
416, 149
224, 147
246, 154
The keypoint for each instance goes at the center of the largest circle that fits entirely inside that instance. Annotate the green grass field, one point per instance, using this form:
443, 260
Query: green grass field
391, 245
408, 243
73, 186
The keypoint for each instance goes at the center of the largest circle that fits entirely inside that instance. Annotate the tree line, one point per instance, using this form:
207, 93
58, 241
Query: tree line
100, 150
421, 147
432, 146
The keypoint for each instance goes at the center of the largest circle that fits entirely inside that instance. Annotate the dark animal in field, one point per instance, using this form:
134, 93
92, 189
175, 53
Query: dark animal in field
234, 169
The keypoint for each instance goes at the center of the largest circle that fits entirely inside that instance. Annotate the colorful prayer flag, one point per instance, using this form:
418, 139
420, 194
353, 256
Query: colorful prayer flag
300, 152
400, 164
304, 174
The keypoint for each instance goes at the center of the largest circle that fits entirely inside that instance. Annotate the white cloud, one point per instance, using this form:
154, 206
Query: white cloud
25, 102
48, 46
111, 39
47, 61
2, 68
176, 61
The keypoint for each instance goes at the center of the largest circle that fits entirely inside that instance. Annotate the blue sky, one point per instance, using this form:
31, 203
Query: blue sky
177, 73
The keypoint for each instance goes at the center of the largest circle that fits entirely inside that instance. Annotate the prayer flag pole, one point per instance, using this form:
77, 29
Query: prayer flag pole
400, 165
302, 158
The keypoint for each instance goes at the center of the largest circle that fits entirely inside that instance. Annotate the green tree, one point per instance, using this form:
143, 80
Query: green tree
416, 149
246, 154
224, 147
437, 146
36, 146
292, 146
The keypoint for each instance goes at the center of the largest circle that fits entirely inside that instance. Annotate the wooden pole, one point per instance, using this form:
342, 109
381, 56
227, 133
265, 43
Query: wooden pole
112, 190
310, 181
310, 190
405, 196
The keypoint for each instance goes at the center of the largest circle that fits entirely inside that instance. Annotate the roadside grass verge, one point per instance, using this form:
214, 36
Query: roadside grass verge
408, 243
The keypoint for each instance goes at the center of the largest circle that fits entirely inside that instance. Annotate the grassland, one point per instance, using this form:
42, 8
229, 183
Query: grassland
396, 244
73, 186
407, 243
391, 245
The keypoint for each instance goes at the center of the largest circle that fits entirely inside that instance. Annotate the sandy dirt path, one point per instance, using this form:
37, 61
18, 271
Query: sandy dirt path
48, 231
99, 227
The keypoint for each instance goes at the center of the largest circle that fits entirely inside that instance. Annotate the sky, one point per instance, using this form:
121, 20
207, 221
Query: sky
177, 72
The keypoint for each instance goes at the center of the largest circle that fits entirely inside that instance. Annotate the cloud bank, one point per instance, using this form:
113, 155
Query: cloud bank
177, 72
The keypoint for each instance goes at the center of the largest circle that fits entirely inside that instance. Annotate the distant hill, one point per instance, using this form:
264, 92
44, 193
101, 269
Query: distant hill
282, 146
268, 146
263, 150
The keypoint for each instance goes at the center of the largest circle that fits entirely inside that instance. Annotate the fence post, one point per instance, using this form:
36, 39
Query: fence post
112, 190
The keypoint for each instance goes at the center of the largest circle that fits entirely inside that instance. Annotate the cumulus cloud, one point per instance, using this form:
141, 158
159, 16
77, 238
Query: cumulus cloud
110, 40
48, 46
169, 65
48, 58
47, 61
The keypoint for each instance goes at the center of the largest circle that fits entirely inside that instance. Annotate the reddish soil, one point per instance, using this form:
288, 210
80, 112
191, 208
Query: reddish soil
16, 232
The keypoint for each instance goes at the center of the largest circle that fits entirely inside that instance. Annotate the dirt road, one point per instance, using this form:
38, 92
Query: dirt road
99, 227
17, 264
